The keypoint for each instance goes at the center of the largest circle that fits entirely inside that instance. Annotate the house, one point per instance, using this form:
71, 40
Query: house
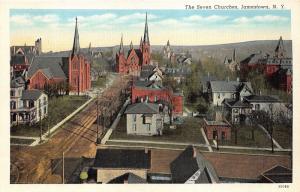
269, 104
21, 56
144, 119
135, 57
217, 130
26, 106
113, 163
73, 69
276, 174
236, 110
151, 76
191, 167
220, 90
128, 178
155, 93
178, 74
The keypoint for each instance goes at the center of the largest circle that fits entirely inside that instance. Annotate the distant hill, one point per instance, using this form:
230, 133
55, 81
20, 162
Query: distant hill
243, 49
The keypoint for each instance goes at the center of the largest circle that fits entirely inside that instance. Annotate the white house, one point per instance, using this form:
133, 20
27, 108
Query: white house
220, 90
27, 106
144, 119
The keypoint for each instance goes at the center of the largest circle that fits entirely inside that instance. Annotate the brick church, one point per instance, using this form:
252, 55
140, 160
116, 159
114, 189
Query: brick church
136, 58
73, 69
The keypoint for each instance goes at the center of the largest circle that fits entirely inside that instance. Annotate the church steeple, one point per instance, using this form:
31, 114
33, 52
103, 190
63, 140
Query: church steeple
280, 51
121, 49
76, 46
146, 35
141, 42
131, 45
234, 55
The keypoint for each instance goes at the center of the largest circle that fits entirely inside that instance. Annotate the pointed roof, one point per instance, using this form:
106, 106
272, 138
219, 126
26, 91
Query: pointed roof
121, 49
141, 42
76, 46
279, 47
234, 55
168, 43
146, 35
131, 45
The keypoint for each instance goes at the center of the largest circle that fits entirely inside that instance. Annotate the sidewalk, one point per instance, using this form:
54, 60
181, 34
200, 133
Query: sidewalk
115, 123
274, 141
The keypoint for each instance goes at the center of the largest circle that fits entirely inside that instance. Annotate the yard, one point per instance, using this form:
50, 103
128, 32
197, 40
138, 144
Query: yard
188, 132
283, 135
244, 138
59, 108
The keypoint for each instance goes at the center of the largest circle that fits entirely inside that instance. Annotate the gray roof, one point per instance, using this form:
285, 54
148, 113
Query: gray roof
129, 178
186, 165
228, 86
33, 94
142, 108
143, 83
18, 60
52, 66
232, 103
261, 98
148, 67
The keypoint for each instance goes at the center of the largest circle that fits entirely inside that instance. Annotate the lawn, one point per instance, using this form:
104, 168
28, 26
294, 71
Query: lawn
244, 138
188, 132
283, 135
59, 108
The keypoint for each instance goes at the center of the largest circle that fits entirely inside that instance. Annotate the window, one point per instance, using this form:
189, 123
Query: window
148, 127
257, 107
147, 119
134, 117
133, 127
45, 110
12, 105
12, 93
223, 135
219, 96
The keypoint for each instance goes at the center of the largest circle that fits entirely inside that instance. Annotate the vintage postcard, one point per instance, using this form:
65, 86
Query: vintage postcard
150, 93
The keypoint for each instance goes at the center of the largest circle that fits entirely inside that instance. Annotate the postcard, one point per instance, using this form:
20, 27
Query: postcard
198, 92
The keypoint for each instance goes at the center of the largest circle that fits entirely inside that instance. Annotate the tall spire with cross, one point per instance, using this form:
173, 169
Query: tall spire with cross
146, 35
279, 50
76, 46
131, 45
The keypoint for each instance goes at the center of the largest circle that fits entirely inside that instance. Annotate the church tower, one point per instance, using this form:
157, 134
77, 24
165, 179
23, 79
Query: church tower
146, 45
120, 58
76, 46
280, 51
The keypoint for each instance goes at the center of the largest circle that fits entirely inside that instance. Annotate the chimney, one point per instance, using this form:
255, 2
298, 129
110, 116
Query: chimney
194, 152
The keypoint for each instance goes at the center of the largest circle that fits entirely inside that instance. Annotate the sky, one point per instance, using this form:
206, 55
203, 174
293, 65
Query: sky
182, 27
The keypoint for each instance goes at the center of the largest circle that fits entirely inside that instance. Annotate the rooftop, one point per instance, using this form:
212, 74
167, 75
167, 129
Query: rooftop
33, 94
122, 158
142, 108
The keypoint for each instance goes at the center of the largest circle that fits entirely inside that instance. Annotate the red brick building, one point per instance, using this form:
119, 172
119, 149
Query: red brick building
277, 69
135, 57
21, 56
73, 69
154, 93
217, 130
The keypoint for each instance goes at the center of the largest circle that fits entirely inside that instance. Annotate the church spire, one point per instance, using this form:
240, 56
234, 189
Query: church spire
141, 42
234, 55
279, 51
76, 46
121, 49
146, 35
131, 45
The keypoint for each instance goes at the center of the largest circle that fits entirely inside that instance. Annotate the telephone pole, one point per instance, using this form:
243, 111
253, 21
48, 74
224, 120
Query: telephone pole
63, 167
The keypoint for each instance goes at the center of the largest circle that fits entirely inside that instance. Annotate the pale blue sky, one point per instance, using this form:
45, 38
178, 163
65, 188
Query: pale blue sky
182, 27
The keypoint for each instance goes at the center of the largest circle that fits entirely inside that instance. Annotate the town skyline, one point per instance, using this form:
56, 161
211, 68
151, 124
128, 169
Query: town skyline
103, 28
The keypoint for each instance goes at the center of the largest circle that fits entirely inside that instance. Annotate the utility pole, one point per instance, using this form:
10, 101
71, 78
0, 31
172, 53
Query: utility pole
97, 103
63, 167
41, 128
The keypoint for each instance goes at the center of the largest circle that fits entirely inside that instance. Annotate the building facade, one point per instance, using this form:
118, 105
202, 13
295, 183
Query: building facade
136, 58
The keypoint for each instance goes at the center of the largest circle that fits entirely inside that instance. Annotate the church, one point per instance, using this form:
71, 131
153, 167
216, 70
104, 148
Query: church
136, 58
72, 69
